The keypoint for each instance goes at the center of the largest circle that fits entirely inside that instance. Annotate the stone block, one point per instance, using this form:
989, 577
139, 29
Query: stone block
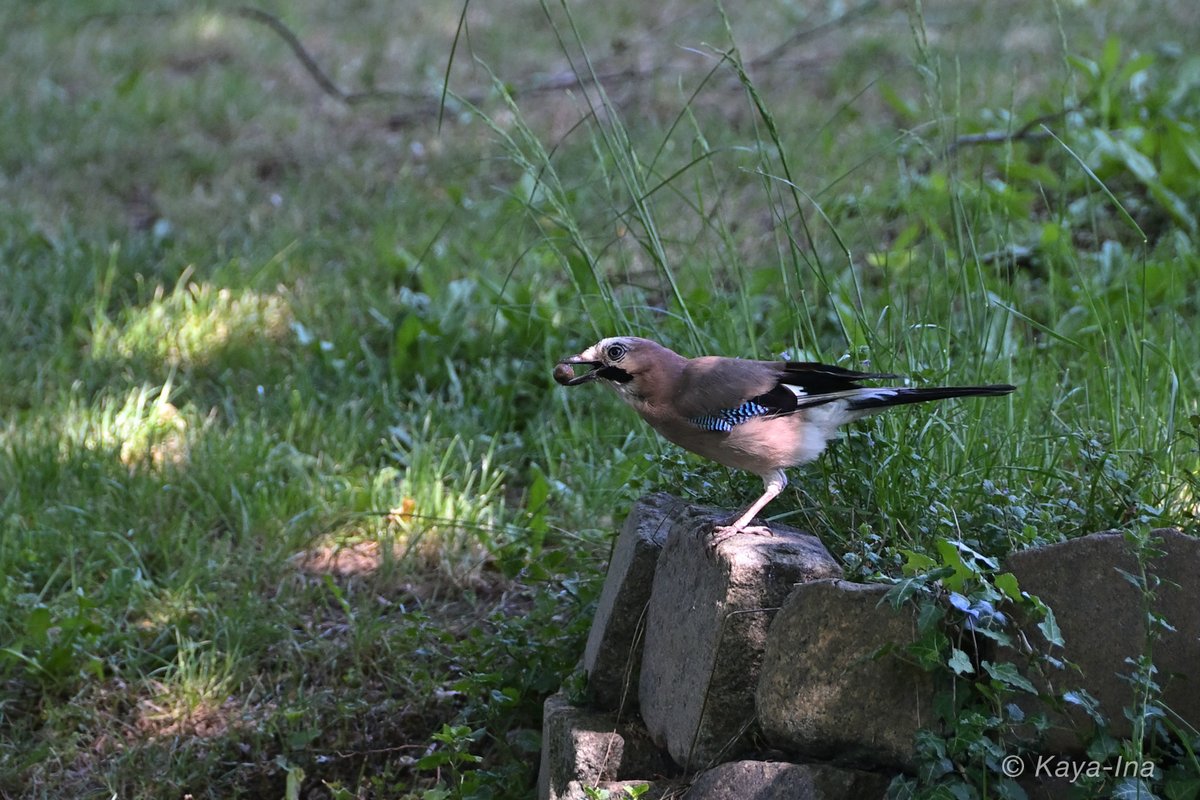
613, 656
706, 629
830, 690
590, 748
1102, 620
777, 780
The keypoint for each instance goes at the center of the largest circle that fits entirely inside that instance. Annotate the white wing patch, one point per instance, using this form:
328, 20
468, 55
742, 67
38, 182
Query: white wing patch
796, 390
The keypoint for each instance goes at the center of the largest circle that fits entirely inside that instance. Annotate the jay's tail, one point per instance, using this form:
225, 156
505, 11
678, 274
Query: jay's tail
878, 399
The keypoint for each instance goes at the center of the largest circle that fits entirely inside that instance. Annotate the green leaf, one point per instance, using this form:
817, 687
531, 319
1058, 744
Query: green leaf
1008, 789
1001, 637
404, 344
536, 502
1103, 747
953, 559
1008, 674
929, 615
1133, 789
1110, 56
904, 589
1182, 787
1006, 582
1080, 698
433, 761
916, 563
37, 625
295, 779
128, 83
1049, 628
928, 649
960, 662
1104, 188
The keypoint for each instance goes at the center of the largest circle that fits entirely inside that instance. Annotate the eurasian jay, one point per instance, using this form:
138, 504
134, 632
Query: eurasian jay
759, 416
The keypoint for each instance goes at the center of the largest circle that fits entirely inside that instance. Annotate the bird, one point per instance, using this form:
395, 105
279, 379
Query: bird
758, 416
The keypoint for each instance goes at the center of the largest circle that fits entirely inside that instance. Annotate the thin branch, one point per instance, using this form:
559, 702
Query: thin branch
306, 60
811, 33
1026, 133
310, 64
458, 31
435, 102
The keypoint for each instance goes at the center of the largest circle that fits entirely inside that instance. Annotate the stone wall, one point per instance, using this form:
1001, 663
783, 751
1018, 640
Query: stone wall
754, 670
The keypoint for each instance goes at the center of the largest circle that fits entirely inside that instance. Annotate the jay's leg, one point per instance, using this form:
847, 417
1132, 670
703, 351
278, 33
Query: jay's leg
773, 483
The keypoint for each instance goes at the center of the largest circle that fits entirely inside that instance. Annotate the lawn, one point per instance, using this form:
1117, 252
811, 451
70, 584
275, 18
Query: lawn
290, 505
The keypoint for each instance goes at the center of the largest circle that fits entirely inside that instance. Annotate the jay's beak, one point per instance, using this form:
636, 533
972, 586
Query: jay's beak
565, 374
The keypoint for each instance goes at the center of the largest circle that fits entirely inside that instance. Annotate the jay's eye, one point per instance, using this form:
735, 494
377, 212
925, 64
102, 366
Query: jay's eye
615, 352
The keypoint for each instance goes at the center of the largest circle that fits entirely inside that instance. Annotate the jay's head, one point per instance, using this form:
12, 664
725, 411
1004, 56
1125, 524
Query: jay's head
618, 359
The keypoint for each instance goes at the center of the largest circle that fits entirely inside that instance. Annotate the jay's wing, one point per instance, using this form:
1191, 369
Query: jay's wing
718, 393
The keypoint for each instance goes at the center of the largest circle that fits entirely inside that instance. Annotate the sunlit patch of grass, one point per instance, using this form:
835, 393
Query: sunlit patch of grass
155, 439
443, 513
141, 429
447, 509
193, 325
193, 695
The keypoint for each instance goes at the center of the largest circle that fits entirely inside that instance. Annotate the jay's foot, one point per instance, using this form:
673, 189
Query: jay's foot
723, 533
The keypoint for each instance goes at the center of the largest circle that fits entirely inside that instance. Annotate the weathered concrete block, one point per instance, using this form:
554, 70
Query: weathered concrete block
706, 629
1102, 621
825, 692
776, 780
613, 657
589, 748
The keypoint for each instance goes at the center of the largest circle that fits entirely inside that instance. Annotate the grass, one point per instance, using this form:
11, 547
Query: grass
288, 496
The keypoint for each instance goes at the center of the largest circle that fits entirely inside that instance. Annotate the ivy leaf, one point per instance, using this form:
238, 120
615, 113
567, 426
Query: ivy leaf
1001, 637
916, 563
1181, 786
929, 614
1007, 674
1103, 747
1133, 789
960, 662
905, 589
928, 649
1006, 582
1049, 628
961, 791
1008, 789
953, 559
1079, 697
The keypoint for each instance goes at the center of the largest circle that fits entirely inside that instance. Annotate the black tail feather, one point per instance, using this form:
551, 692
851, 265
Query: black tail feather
905, 396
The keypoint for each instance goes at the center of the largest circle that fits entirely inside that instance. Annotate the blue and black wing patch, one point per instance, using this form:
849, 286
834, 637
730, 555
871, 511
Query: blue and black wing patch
724, 420
801, 385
